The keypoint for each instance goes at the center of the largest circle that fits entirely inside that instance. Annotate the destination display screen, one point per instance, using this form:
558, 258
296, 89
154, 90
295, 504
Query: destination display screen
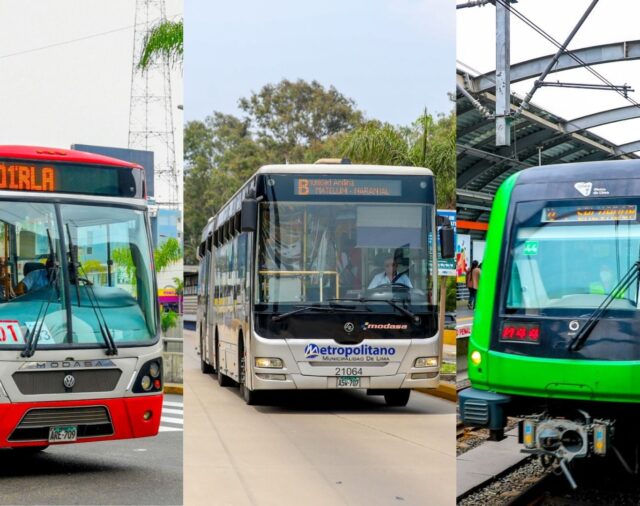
576, 214
520, 332
18, 175
347, 187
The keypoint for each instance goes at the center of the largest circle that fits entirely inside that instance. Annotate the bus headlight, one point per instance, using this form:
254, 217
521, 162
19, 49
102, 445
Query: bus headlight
146, 383
269, 363
149, 379
476, 357
426, 362
154, 369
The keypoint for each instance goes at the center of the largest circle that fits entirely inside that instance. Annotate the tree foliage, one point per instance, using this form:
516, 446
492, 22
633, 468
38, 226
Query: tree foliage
300, 122
164, 40
429, 142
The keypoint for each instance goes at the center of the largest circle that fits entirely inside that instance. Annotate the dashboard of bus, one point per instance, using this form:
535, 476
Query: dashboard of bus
72, 273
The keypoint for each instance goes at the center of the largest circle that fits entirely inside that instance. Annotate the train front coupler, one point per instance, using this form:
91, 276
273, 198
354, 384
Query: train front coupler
557, 441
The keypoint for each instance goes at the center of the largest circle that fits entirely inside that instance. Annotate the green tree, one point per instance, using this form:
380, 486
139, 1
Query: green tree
427, 143
289, 121
164, 40
168, 253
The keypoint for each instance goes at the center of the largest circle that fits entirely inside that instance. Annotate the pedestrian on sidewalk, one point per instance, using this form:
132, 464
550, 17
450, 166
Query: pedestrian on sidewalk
473, 280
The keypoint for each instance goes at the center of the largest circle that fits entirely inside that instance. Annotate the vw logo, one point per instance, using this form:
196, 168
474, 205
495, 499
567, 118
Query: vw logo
69, 381
574, 325
348, 327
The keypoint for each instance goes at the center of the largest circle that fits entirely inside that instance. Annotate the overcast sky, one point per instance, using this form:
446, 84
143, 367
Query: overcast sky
610, 21
73, 92
393, 57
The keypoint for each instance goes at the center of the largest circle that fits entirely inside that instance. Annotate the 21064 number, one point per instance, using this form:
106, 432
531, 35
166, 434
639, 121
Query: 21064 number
348, 371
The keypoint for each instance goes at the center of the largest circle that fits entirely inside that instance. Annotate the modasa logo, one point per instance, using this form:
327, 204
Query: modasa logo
384, 326
312, 350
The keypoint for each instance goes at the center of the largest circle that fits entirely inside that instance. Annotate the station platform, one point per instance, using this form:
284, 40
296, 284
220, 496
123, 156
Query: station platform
485, 462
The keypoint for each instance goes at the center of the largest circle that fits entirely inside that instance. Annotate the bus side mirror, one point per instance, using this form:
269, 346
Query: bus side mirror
249, 215
447, 246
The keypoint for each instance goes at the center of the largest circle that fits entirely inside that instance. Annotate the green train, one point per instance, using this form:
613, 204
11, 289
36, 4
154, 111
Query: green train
556, 333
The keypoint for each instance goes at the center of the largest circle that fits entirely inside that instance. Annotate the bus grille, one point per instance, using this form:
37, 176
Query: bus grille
92, 421
476, 412
52, 382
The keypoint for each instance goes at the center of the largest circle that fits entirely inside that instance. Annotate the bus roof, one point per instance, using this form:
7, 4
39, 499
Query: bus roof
348, 168
61, 155
232, 205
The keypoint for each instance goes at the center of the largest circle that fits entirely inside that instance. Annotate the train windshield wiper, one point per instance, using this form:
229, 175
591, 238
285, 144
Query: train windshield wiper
632, 275
392, 302
332, 308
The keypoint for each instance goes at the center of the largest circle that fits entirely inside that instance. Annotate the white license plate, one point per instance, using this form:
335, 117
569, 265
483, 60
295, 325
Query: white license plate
348, 382
63, 433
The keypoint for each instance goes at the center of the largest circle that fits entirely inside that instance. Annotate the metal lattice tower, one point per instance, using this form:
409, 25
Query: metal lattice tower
151, 108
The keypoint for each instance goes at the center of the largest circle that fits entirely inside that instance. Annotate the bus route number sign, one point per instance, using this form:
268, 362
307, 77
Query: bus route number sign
573, 214
347, 187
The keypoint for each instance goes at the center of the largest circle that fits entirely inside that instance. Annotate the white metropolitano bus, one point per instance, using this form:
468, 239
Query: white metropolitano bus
324, 276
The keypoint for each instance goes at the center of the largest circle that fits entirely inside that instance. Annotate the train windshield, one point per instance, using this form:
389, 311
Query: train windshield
313, 252
67, 270
571, 257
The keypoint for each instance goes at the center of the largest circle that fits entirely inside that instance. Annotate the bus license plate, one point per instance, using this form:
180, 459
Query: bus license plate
63, 433
348, 382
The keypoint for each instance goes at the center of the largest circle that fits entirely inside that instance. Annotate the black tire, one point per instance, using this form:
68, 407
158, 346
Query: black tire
397, 398
251, 397
223, 380
204, 366
29, 450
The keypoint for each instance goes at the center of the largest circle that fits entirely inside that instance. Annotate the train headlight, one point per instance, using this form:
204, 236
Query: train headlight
269, 363
476, 357
600, 439
146, 383
426, 362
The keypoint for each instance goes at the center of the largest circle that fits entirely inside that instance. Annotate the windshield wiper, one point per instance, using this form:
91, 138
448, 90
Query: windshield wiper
93, 300
33, 336
329, 309
392, 302
633, 274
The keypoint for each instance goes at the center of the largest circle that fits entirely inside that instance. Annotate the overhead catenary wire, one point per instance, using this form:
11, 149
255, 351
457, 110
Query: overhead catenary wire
569, 53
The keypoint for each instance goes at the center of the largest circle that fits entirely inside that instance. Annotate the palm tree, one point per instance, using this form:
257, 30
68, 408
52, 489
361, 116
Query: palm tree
169, 252
179, 282
166, 39
428, 143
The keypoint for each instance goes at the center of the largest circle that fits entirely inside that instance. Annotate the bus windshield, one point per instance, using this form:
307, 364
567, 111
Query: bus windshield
573, 256
103, 276
314, 252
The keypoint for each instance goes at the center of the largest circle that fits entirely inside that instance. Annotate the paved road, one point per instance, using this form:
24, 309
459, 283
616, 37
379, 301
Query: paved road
138, 471
337, 448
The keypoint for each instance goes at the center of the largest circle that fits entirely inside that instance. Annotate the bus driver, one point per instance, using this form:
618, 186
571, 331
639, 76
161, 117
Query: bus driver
390, 275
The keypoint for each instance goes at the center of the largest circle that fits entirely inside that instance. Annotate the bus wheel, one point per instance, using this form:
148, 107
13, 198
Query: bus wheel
204, 366
251, 397
397, 397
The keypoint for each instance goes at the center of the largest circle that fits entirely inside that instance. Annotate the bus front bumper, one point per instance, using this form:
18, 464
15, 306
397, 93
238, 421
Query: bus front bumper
28, 423
305, 382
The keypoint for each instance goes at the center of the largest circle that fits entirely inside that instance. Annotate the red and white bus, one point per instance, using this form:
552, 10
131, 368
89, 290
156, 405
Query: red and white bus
80, 354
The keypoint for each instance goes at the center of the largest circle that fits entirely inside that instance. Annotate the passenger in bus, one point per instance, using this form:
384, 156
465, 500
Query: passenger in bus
390, 275
36, 275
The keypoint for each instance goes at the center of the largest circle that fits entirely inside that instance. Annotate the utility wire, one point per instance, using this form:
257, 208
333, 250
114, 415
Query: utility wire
79, 39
